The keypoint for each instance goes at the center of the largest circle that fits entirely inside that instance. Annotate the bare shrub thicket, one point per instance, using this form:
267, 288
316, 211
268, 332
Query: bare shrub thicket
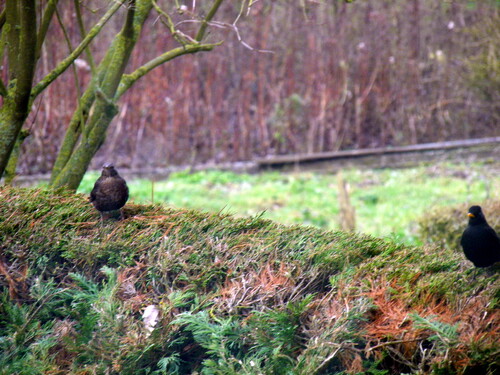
339, 76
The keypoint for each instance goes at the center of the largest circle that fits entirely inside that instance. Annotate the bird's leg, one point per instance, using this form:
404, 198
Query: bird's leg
475, 272
471, 272
491, 271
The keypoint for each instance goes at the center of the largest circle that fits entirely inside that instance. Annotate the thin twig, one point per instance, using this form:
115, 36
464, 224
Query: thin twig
178, 35
327, 359
224, 25
392, 343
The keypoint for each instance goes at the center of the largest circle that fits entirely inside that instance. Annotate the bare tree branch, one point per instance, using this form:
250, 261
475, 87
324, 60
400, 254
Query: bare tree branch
179, 36
204, 24
83, 33
63, 65
129, 79
44, 26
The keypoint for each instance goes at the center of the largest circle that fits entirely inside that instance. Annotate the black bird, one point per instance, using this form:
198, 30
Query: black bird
480, 242
110, 192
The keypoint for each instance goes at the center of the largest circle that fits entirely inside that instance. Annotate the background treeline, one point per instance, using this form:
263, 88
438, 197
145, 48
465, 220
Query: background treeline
340, 76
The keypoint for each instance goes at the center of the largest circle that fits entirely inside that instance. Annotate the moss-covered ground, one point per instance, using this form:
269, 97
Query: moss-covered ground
233, 296
388, 203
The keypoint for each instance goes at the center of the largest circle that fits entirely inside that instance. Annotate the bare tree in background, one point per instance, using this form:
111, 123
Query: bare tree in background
22, 38
341, 76
97, 106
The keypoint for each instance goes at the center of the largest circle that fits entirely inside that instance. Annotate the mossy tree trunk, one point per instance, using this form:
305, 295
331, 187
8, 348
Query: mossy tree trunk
72, 159
20, 37
23, 38
97, 106
10, 170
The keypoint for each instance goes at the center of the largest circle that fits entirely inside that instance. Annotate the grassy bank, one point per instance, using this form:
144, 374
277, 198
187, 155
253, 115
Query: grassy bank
234, 296
387, 202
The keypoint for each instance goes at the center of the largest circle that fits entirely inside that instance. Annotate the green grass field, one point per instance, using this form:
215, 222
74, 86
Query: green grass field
387, 202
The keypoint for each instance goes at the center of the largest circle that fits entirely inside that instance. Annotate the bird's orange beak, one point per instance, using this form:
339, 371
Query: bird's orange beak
470, 215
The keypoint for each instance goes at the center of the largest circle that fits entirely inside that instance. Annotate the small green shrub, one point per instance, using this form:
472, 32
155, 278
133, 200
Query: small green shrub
443, 226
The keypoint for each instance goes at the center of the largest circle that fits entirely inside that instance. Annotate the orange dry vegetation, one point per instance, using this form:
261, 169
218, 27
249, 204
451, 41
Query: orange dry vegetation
258, 288
391, 324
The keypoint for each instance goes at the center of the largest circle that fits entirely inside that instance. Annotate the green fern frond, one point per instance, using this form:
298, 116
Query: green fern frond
444, 333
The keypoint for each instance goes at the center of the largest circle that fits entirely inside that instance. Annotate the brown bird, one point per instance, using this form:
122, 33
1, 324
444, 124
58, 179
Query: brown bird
480, 242
110, 192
